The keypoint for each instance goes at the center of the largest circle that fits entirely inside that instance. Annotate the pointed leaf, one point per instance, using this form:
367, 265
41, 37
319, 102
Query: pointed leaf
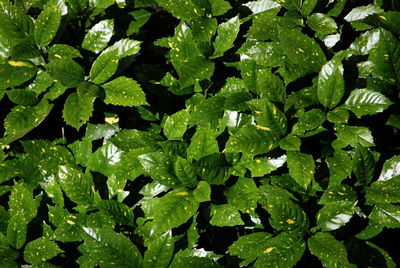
355, 136
203, 143
202, 193
66, 71
14, 73
227, 33
225, 215
46, 25
77, 110
98, 36
269, 116
160, 251
124, 91
104, 66
340, 167
387, 215
160, 166
391, 169
301, 167
264, 165
40, 250
363, 166
335, 215
175, 125
119, 212
363, 101
243, 195
331, 83
329, 251
384, 191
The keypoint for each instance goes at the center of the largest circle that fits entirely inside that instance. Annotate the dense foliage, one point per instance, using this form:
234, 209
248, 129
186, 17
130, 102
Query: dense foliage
199, 133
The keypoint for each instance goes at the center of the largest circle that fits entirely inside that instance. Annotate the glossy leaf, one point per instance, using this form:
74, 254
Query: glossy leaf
268, 116
17, 230
98, 36
124, 91
108, 248
22, 96
46, 25
386, 215
243, 195
59, 51
141, 16
225, 215
159, 251
77, 110
185, 172
171, 210
40, 250
261, 6
66, 71
384, 191
202, 193
226, 35
119, 212
160, 167
253, 139
340, 167
14, 73
363, 166
363, 101
104, 66
219, 7
355, 136
301, 167
338, 193
263, 166
175, 125
203, 143
213, 169
322, 24
331, 83
329, 251
334, 215
391, 169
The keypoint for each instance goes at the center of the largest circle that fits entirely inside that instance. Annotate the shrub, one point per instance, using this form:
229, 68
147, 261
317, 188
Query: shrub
199, 133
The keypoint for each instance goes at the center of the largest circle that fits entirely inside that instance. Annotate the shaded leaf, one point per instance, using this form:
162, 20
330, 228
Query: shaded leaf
301, 167
243, 195
40, 250
124, 91
225, 215
14, 73
226, 35
46, 25
203, 143
387, 215
363, 166
104, 67
66, 71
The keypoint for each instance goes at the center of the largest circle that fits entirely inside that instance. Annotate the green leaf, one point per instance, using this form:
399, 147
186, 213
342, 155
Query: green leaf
363, 166
207, 112
14, 73
219, 7
355, 136
202, 193
385, 58
308, 122
21, 202
160, 166
40, 250
60, 51
104, 67
109, 249
76, 185
124, 91
185, 172
283, 250
268, 54
308, 6
258, 242
46, 25
268, 116
225, 215
252, 139
105, 159
329, 251
203, 143
335, 215
331, 83
187, 59
77, 110
17, 230
339, 115
363, 101
384, 191
22, 96
119, 212
261, 6
98, 36
66, 71
176, 125
264, 165
141, 16
243, 195
390, 169
194, 262
226, 35
389, 261
340, 166
25, 51
183, 9
171, 210
302, 51
213, 169
387, 215
160, 251
125, 47
338, 193
361, 12
322, 24
301, 167
373, 229
132, 139
290, 143
285, 214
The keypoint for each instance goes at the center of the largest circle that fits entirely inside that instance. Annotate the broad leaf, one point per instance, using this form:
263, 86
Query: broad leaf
66, 71
331, 83
203, 143
14, 73
243, 195
263, 166
301, 167
185, 172
77, 110
160, 166
46, 25
202, 193
340, 167
98, 36
335, 215
329, 251
119, 212
40, 250
225, 215
175, 125
160, 251
354, 136
384, 191
104, 66
124, 91
363, 166
227, 33
387, 215
171, 210
363, 101
391, 169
